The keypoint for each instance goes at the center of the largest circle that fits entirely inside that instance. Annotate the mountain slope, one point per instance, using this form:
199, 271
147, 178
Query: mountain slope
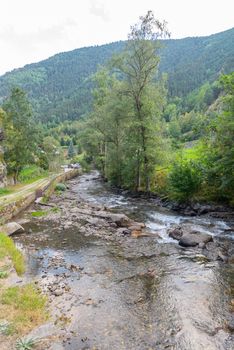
60, 87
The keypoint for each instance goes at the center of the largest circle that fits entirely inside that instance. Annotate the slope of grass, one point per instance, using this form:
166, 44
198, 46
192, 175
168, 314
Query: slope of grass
8, 249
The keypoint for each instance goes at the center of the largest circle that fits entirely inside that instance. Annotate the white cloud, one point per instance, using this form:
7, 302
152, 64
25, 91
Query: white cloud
31, 30
99, 9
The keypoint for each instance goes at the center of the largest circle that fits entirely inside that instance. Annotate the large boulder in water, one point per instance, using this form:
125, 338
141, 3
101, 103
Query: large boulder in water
121, 220
194, 238
188, 236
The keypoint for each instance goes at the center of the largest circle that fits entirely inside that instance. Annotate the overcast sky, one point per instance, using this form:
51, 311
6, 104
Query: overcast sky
32, 30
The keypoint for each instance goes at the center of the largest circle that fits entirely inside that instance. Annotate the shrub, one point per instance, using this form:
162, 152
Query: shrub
6, 328
3, 274
184, 180
60, 187
25, 344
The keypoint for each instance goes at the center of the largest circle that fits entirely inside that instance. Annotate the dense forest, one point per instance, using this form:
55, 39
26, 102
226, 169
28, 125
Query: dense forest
152, 114
59, 88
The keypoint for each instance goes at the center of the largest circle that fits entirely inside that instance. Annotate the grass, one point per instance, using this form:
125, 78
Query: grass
31, 173
39, 213
55, 210
8, 249
24, 307
5, 191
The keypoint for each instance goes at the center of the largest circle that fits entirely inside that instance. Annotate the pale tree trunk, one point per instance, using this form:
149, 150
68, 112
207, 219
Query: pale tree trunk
105, 160
138, 174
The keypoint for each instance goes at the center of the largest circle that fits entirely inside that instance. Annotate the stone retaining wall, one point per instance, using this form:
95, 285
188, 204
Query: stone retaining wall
14, 207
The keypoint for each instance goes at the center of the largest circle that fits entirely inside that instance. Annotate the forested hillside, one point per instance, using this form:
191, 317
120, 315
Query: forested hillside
60, 87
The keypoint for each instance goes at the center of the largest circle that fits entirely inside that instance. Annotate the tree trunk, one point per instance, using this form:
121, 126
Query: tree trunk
138, 175
118, 163
105, 160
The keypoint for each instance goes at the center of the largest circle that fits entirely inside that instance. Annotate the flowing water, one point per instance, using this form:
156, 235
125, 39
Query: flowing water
137, 294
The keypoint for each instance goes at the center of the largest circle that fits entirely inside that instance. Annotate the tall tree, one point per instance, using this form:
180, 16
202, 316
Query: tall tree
21, 132
137, 67
222, 141
109, 119
71, 151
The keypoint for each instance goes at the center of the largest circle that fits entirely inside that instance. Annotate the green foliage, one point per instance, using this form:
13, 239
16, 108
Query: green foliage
84, 160
220, 145
22, 135
55, 210
26, 298
53, 154
125, 126
4, 191
184, 180
31, 173
3, 274
39, 213
60, 187
25, 344
71, 151
7, 248
6, 328
24, 307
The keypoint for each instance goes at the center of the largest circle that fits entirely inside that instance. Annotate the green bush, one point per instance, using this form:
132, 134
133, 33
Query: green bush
3, 274
184, 180
60, 187
25, 344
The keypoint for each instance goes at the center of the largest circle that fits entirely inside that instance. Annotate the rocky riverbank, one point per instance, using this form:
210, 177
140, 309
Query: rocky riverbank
216, 210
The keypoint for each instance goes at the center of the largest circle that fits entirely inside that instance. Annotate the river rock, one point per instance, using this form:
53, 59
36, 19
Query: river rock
175, 232
121, 220
12, 228
194, 238
123, 231
136, 226
137, 234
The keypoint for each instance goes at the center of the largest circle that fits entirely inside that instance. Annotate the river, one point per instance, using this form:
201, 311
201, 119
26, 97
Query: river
134, 294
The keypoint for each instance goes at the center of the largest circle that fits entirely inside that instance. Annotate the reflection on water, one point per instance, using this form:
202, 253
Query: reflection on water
145, 293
